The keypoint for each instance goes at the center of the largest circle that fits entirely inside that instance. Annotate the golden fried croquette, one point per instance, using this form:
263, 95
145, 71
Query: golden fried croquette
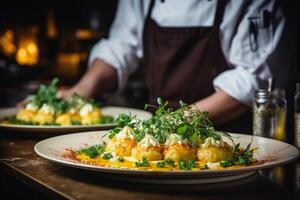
179, 151
151, 152
122, 147
91, 117
64, 119
26, 115
43, 118
214, 154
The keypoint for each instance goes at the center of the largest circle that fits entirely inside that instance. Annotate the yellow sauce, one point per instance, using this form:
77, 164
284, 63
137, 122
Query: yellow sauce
130, 164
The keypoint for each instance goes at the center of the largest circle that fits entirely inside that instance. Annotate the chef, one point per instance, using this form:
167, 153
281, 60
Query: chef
209, 53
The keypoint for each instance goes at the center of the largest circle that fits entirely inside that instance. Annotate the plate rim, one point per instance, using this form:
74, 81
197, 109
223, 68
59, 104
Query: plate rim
167, 173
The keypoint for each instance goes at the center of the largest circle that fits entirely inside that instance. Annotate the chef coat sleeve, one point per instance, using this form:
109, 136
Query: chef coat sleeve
250, 65
120, 49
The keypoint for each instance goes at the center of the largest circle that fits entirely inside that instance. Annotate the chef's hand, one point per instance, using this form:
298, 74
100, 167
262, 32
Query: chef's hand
99, 79
221, 107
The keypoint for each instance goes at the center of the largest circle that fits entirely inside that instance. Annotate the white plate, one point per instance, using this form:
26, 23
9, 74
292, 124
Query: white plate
273, 153
109, 110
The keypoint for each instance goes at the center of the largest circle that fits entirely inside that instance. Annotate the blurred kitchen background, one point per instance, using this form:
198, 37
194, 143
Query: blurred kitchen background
40, 40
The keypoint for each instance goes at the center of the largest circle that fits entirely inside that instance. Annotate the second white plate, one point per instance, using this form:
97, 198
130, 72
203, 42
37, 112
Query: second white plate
54, 130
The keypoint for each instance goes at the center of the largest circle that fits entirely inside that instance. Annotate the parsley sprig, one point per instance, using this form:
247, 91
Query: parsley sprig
47, 95
187, 164
190, 124
240, 157
167, 162
143, 163
93, 151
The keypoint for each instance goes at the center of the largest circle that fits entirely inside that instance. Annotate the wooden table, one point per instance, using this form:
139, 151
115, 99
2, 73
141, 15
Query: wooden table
25, 175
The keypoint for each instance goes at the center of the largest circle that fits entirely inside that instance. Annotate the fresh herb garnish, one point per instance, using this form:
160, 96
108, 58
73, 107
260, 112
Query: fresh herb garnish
123, 120
240, 156
106, 119
92, 151
166, 162
187, 164
143, 163
107, 156
113, 132
121, 159
227, 162
75, 122
190, 124
161, 164
47, 95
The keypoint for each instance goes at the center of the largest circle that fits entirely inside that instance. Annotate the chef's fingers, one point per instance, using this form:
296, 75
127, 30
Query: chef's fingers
65, 93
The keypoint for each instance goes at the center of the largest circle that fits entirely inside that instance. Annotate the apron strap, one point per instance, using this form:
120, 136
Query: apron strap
220, 12
150, 9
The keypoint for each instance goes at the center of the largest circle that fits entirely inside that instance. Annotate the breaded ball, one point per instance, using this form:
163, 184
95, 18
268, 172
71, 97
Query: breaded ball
151, 152
26, 115
91, 117
214, 154
64, 119
122, 147
43, 118
178, 152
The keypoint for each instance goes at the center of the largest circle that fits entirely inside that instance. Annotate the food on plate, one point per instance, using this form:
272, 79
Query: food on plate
44, 108
123, 143
183, 139
177, 148
148, 148
213, 151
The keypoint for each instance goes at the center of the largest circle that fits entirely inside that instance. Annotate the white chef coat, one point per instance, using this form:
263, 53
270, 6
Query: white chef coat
124, 47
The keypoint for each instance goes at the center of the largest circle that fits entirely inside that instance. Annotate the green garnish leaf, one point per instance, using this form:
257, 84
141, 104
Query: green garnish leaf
143, 163
161, 164
121, 159
227, 162
75, 122
240, 157
123, 120
107, 156
93, 151
182, 129
170, 162
187, 164
113, 132
106, 119
166, 162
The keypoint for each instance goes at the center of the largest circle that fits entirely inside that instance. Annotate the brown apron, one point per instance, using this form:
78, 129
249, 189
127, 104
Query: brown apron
182, 62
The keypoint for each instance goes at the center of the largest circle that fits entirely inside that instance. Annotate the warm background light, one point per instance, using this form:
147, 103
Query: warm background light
68, 64
7, 43
28, 52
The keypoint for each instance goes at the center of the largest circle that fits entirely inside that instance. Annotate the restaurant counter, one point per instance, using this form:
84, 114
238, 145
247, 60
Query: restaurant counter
25, 175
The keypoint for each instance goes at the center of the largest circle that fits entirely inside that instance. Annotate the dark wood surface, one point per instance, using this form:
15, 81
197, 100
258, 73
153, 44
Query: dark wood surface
25, 175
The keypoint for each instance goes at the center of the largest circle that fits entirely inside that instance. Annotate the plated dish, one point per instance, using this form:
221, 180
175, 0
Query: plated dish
45, 113
171, 145
183, 139
45, 109
113, 111
60, 149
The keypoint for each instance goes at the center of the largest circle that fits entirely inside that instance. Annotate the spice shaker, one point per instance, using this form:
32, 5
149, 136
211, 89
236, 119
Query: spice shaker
269, 113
